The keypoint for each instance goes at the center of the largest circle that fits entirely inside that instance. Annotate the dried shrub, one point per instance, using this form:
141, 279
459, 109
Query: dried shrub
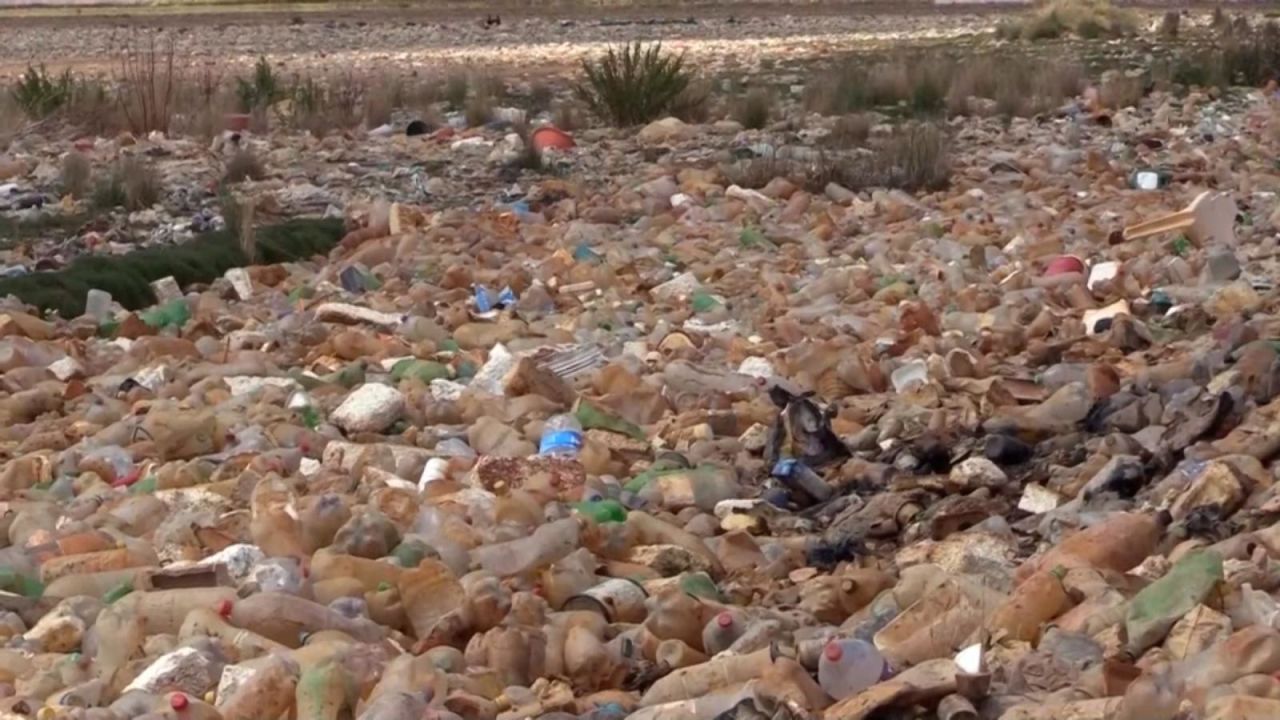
540, 98
321, 107
40, 93
1018, 88
755, 109
916, 157
567, 115
1169, 24
850, 131
479, 110
382, 97
1088, 19
131, 184
147, 81
93, 108
77, 173
633, 84
244, 165
755, 173
693, 104
917, 81
1120, 90
456, 89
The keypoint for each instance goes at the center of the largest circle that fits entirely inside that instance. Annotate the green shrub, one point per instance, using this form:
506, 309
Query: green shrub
40, 94
754, 110
128, 277
633, 84
260, 90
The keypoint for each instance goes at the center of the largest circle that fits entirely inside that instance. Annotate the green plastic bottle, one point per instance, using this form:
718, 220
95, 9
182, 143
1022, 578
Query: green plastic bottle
602, 511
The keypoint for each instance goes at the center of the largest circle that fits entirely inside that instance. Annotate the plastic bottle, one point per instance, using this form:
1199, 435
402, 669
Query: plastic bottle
329, 565
603, 510
326, 692
849, 666
561, 437
267, 693
722, 631
548, 543
799, 477
286, 618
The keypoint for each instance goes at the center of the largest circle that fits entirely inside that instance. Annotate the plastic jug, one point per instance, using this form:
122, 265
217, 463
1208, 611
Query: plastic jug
849, 666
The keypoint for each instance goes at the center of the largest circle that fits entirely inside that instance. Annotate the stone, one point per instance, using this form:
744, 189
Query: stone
372, 407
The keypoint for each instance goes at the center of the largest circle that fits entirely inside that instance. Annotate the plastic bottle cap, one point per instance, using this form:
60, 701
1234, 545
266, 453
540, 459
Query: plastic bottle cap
833, 652
224, 608
178, 701
724, 619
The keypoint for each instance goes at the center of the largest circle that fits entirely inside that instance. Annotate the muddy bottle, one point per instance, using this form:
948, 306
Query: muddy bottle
548, 543
267, 693
287, 618
326, 692
721, 632
849, 666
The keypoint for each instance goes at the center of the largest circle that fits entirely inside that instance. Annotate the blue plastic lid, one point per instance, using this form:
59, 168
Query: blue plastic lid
560, 441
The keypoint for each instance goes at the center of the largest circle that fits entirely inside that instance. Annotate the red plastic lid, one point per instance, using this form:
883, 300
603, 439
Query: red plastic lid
178, 701
224, 608
1064, 264
834, 652
724, 619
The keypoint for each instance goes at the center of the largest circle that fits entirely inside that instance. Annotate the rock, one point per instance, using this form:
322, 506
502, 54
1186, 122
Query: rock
372, 407
664, 131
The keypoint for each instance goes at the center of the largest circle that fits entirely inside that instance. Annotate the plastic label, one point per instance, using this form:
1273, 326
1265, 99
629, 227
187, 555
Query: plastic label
561, 441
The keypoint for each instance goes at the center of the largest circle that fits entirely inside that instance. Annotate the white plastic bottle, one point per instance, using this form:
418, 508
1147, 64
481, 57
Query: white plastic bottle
849, 666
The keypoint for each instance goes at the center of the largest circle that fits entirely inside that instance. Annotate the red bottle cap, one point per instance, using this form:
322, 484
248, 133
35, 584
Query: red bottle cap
178, 701
834, 652
724, 619
224, 608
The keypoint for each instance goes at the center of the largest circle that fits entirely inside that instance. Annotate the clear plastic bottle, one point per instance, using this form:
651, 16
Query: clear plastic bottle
849, 666
561, 437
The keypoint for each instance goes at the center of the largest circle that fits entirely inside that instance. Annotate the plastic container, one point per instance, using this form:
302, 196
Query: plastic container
721, 632
561, 437
849, 666
267, 693
548, 544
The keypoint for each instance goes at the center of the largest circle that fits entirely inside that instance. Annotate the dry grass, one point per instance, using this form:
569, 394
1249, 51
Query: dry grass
1088, 19
1120, 90
916, 157
242, 166
755, 109
479, 110
382, 96
131, 184
77, 174
850, 131
147, 82
94, 109
693, 104
568, 116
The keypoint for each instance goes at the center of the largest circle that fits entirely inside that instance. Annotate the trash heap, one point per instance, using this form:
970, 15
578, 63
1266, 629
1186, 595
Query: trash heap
662, 447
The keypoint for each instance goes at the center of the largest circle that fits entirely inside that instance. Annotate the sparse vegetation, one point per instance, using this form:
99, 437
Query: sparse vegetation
147, 85
1120, 90
244, 165
128, 277
755, 109
40, 93
456, 89
850, 131
260, 90
633, 84
382, 96
77, 173
131, 184
914, 157
693, 104
479, 110
1087, 19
